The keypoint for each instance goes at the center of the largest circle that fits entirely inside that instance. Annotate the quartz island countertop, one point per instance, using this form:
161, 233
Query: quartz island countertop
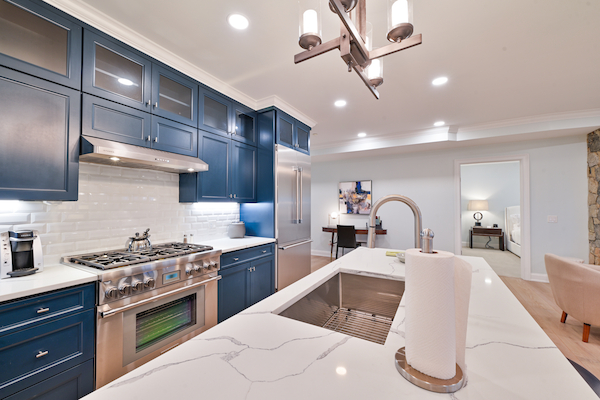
259, 355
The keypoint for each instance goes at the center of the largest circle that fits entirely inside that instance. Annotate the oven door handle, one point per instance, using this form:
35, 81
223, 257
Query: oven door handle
106, 314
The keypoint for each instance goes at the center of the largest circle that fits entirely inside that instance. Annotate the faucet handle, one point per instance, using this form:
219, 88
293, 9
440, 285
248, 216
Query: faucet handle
427, 240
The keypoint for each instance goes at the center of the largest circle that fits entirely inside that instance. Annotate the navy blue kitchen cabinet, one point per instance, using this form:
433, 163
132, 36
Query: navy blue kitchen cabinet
119, 73
112, 121
247, 277
291, 132
174, 137
174, 96
225, 117
47, 345
39, 42
39, 132
243, 172
231, 175
116, 72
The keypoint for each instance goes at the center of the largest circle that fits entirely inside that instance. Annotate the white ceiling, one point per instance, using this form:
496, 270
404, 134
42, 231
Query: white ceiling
517, 69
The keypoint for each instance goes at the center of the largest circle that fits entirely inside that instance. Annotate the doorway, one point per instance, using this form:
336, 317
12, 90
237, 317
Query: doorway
492, 212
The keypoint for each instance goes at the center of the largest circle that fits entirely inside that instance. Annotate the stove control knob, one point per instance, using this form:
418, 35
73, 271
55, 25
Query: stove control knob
213, 264
188, 271
111, 292
138, 285
197, 267
125, 289
150, 283
205, 265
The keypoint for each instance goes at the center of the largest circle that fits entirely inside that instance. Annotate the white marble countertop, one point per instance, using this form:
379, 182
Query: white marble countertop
227, 245
52, 277
259, 355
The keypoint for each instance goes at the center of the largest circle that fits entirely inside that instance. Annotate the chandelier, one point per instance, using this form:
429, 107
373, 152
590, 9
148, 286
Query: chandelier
355, 42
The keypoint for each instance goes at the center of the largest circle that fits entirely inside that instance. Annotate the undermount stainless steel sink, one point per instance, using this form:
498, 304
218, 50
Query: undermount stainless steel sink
356, 305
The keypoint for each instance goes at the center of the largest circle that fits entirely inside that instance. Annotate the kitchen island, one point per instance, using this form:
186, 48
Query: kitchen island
259, 355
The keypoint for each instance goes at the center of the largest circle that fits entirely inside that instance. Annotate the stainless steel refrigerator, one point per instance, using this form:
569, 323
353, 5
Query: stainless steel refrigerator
292, 215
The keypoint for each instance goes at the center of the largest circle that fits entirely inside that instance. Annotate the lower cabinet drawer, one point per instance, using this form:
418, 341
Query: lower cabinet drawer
246, 254
32, 355
72, 384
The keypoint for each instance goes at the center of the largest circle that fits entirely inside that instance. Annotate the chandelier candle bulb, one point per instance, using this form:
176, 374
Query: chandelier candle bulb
310, 23
398, 26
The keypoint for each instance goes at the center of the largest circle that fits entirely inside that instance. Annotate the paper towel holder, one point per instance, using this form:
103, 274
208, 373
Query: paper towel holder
425, 381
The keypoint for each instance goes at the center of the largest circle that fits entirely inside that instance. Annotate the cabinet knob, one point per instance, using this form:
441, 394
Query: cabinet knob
41, 354
148, 138
235, 259
234, 195
230, 196
264, 251
148, 102
156, 139
156, 105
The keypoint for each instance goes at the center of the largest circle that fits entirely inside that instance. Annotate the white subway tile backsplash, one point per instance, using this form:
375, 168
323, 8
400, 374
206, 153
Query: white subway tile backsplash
113, 204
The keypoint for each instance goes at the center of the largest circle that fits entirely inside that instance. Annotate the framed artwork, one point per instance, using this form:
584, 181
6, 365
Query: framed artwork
355, 197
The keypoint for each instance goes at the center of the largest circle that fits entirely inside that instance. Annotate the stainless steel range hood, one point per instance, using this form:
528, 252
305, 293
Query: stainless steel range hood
107, 152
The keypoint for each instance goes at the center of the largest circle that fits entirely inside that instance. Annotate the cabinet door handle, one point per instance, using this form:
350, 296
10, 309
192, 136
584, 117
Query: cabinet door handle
235, 259
264, 251
43, 310
148, 138
235, 196
156, 139
253, 269
41, 354
148, 102
156, 105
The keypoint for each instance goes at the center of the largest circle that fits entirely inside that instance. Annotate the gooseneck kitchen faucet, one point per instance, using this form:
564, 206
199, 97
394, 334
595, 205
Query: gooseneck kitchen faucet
425, 235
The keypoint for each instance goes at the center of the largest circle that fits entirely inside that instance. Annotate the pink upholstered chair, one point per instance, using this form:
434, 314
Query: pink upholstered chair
576, 290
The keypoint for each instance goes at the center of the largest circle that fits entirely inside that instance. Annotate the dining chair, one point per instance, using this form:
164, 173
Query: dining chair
346, 238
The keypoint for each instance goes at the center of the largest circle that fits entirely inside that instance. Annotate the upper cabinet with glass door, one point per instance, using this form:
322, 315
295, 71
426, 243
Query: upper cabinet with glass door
174, 96
39, 42
221, 115
119, 73
116, 73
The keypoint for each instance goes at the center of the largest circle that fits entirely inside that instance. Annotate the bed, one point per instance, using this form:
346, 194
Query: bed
512, 225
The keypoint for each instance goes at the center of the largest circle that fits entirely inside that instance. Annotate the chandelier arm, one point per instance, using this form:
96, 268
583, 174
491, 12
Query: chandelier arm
358, 69
317, 50
394, 47
352, 31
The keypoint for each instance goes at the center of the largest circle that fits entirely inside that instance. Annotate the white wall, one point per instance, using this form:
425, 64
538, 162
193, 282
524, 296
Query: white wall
558, 187
113, 204
499, 184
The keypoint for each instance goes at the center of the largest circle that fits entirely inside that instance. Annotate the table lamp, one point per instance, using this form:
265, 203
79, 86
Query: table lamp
478, 205
332, 217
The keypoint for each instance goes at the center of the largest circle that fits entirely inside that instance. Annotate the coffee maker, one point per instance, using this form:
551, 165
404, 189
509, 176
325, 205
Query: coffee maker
20, 254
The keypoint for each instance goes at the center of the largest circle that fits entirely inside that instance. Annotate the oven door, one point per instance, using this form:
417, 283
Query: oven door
129, 335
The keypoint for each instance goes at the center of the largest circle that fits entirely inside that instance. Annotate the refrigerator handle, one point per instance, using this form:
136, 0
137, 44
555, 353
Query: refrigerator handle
295, 245
300, 197
297, 220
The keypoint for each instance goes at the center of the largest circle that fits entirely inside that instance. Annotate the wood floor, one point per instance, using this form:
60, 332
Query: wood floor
537, 299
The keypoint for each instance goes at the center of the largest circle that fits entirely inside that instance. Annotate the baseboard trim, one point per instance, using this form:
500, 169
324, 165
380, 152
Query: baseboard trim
322, 253
536, 277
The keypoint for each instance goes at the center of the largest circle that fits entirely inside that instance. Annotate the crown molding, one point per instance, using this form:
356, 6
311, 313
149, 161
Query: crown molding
116, 29
285, 107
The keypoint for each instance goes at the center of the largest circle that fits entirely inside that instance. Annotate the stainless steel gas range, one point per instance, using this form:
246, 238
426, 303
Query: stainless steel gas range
149, 301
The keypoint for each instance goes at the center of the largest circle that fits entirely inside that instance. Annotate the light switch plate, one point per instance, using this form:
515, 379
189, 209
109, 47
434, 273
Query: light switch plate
552, 219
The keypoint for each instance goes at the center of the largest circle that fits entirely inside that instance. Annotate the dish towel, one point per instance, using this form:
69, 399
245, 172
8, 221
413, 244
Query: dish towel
438, 288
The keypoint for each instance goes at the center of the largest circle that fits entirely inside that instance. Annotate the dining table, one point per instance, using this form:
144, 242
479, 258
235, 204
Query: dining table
359, 231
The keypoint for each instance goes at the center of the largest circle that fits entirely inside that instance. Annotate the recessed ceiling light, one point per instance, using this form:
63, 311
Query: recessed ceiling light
115, 158
341, 370
340, 103
439, 81
238, 21
362, 134
125, 81
439, 123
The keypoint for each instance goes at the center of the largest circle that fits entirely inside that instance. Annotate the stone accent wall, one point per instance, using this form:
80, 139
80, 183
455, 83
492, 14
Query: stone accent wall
593, 142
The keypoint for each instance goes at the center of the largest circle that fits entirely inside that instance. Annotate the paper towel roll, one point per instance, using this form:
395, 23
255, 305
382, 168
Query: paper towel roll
430, 313
463, 273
